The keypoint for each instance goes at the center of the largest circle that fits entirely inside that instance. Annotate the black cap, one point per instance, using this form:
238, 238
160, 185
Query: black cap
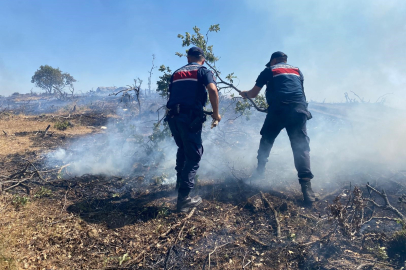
195, 51
277, 54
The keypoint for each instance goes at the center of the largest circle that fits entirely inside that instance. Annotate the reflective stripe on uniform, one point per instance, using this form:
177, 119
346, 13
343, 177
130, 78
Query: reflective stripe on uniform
285, 71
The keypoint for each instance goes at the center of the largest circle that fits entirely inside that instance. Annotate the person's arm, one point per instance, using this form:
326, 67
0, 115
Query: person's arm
251, 93
214, 100
261, 81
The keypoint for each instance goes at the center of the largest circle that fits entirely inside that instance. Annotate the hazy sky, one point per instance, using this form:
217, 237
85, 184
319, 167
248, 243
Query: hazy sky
340, 46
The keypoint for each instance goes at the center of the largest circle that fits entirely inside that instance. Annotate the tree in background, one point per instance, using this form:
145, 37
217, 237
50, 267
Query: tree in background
52, 80
164, 81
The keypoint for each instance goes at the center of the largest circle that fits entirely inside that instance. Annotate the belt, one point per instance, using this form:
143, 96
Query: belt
177, 110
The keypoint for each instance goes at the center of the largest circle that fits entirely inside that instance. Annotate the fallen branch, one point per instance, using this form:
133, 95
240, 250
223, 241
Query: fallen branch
275, 213
36, 170
253, 238
387, 205
62, 167
179, 223
18, 183
19, 173
249, 261
208, 256
176, 241
361, 266
45, 131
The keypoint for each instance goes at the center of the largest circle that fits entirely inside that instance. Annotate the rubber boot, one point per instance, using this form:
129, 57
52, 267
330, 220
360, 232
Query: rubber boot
309, 197
186, 203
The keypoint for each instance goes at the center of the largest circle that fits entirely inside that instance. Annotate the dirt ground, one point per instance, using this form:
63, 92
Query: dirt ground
49, 220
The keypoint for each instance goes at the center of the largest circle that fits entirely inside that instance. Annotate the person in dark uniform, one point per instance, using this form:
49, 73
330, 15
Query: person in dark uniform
187, 97
287, 109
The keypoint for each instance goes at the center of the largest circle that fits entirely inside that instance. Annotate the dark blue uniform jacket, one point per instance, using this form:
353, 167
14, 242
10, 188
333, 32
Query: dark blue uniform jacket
284, 84
188, 87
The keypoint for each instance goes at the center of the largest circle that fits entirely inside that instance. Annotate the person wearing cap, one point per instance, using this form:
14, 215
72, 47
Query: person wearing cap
187, 97
287, 109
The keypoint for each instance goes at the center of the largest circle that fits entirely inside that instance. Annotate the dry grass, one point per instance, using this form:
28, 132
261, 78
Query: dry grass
22, 228
16, 142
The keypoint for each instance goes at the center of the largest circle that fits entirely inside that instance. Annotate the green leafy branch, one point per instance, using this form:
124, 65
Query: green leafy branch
164, 81
199, 40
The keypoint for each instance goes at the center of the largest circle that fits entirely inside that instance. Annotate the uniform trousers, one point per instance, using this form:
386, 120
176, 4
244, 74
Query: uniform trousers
190, 150
293, 117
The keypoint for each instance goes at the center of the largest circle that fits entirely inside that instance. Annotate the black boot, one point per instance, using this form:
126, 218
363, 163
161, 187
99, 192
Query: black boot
177, 183
308, 195
185, 204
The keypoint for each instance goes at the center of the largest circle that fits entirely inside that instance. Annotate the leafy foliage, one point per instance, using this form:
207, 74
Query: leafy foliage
52, 80
20, 201
43, 192
164, 81
197, 39
62, 125
243, 106
160, 132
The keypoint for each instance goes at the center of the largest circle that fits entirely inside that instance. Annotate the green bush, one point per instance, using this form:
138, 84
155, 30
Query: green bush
62, 125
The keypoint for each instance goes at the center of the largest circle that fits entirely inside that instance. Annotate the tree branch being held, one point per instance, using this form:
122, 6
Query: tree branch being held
253, 93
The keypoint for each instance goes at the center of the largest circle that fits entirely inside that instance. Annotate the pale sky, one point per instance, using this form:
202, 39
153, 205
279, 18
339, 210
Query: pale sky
340, 46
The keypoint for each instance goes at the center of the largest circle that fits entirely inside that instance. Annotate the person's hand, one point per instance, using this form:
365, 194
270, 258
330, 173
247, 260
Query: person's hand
216, 120
244, 94
216, 117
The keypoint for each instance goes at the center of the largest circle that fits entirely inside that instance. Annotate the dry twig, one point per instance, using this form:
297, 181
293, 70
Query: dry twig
208, 256
387, 205
175, 242
179, 223
275, 213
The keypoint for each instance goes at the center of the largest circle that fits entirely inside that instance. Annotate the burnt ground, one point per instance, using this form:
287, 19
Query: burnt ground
51, 220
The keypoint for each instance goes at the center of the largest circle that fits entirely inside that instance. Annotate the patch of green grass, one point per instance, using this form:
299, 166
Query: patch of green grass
62, 125
163, 211
20, 201
43, 192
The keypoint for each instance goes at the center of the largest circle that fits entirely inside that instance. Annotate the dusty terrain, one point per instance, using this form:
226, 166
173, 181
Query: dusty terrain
50, 219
